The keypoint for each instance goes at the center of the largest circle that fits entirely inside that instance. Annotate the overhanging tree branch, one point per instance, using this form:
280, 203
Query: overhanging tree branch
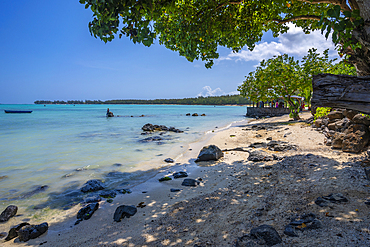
297, 18
353, 4
337, 2
341, 3
226, 3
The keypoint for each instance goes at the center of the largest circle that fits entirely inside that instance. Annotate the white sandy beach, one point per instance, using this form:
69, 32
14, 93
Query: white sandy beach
234, 196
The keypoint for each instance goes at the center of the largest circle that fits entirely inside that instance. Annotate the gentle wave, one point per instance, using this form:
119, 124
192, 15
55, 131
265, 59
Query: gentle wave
62, 146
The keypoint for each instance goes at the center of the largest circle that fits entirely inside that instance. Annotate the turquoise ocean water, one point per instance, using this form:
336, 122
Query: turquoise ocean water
63, 146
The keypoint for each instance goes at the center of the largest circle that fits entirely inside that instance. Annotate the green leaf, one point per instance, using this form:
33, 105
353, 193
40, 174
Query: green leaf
339, 26
328, 28
236, 26
347, 13
357, 23
335, 37
356, 13
323, 28
337, 11
331, 13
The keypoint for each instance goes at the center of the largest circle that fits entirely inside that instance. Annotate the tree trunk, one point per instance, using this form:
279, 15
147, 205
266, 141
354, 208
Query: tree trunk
364, 7
341, 91
360, 58
294, 109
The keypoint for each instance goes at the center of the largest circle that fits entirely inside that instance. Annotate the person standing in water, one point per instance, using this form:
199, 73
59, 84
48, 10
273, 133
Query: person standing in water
109, 114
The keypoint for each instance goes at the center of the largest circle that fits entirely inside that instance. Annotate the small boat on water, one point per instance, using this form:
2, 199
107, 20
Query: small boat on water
10, 111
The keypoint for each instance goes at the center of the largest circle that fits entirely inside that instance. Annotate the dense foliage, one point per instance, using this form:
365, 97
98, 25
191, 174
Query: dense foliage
211, 100
197, 28
321, 112
283, 76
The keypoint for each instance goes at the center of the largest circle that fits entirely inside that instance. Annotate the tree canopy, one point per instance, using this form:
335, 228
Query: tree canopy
196, 28
283, 76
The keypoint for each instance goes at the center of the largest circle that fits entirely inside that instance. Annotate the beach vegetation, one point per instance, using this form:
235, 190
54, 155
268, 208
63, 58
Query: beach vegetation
312, 64
342, 68
321, 112
282, 77
196, 29
164, 179
365, 115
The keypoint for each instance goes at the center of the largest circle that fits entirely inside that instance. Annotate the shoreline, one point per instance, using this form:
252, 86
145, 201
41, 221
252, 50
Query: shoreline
234, 195
95, 151
64, 219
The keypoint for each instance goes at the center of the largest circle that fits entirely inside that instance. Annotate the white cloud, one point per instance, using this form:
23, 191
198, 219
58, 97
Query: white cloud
234, 92
207, 91
294, 43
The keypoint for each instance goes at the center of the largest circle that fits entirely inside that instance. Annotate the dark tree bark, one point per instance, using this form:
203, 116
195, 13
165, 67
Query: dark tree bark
341, 91
360, 58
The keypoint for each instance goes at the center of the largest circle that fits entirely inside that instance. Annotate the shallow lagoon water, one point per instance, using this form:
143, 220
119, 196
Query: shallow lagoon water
63, 146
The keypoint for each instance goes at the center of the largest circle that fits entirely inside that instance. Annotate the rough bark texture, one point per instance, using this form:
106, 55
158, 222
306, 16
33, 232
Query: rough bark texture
364, 6
342, 91
360, 58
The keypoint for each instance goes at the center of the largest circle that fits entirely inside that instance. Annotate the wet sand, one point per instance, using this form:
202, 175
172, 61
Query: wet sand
234, 196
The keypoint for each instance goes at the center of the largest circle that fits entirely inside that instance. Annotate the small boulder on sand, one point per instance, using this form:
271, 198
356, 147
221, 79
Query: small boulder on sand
211, 152
32, 231
9, 212
124, 211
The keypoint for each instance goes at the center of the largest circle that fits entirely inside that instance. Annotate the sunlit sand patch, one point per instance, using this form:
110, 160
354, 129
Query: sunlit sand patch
149, 238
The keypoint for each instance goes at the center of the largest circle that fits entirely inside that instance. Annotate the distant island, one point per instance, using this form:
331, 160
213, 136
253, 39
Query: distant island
210, 100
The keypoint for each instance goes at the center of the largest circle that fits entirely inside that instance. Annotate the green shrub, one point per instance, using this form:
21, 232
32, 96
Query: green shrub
321, 112
164, 179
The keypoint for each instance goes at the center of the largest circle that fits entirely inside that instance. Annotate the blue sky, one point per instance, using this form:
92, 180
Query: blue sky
47, 53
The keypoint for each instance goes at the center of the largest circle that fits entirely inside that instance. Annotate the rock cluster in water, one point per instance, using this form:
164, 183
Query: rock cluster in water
151, 128
92, 185
152, 139
195, 114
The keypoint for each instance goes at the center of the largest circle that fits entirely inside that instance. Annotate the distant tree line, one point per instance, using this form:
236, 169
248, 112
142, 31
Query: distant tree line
71, 102
210, 100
